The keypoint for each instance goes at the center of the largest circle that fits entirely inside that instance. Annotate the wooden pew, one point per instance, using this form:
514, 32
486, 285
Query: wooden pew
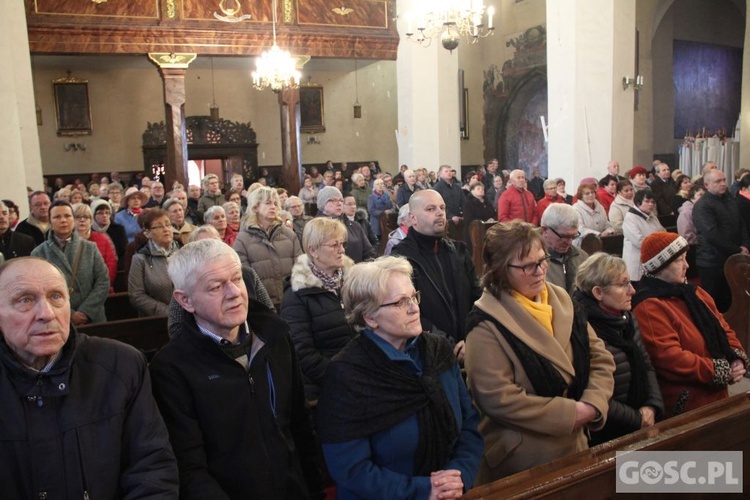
118, 306
388, 222
146, 334
121, 281
477, 230
590, 474
737, 271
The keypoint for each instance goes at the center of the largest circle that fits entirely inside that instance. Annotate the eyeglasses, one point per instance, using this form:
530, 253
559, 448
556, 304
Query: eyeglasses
336, 200
532, 267
335, 246
159, 228
404, 303
624, 284
567, 236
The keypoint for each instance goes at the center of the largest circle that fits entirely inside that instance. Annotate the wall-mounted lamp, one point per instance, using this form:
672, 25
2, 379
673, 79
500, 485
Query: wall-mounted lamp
636, 83
313, 140
75, 146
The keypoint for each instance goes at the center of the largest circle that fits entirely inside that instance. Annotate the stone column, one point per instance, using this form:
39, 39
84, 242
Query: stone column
590, 48
172, 68
428, 123
19, 139
291, 162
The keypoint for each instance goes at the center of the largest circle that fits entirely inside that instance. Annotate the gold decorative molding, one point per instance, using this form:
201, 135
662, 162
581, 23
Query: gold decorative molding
288, 11
342, 11
172, 60
99, 1
231, 15
171, 9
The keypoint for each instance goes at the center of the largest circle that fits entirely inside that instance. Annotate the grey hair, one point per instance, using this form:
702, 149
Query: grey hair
403, 214
600, 269
81, 208
516, 172
366, 285
209, 214
170, 202
560, 215
322, 229
207, 178
231, 204
290, 200
200, 233
356, 176
549, 183
184, 264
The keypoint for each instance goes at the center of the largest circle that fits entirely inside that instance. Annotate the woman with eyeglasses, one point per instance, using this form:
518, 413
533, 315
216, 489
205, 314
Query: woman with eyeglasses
149, 286
592, 217
603, 296
312, 303
538, 373
695, 353
83, 220
394, 415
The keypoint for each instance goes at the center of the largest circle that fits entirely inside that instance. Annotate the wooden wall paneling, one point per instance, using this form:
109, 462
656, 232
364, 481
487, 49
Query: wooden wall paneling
350, 13
142, 9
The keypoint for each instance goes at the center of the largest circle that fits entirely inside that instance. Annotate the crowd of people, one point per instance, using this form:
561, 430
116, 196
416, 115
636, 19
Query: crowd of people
300, 359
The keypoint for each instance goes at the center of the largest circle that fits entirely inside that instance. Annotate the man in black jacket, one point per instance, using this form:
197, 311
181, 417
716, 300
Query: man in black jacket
12, 244
229, 387
78, 419
443, 271
721, 234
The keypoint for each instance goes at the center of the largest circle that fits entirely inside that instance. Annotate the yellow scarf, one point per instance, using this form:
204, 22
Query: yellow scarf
539, 309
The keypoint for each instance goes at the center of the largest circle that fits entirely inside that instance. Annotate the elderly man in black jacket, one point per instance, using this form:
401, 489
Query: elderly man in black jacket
13, 244
443, 270
78, 419
721, 234
229, 387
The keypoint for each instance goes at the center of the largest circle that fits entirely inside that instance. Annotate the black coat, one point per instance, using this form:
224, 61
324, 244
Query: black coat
664, 193
744, 206
237, 434
13, 244
719, 228
90, 424
621, 418
116, 233
24, 227
358, 247
443, 307
318, 324
475, 209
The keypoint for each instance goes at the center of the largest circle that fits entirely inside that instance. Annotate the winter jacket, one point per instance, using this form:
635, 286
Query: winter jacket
591, 220
207, 201
475, 209
318, 325
720, 230
129, 221
621, 418
617, 211
109, 254
743, 204
443, 307
677, 349
404, 193
237, 432
382, 466
271, 254
562, 269
514, 204
521, 429
29, 228
606, 199
358, 247
376, 205
635, 228
91, 285
89, 428
361, 195
685, 225
149, 286
664, 192
453, 196
394, 238
14, 244
545, 202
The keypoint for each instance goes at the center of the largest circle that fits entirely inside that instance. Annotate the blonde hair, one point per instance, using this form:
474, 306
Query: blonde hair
322, 229
600, 269
260, 195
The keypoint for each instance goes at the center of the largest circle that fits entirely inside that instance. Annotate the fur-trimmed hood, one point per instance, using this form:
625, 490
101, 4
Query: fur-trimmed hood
302, 277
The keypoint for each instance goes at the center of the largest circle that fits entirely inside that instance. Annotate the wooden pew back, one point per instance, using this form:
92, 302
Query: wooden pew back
146, 334
590, 474
737, 271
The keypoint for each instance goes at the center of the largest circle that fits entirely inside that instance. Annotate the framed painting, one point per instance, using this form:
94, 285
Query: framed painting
311, 107
72, 107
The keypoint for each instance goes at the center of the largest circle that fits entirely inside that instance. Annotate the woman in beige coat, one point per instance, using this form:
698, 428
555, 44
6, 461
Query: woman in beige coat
538, 373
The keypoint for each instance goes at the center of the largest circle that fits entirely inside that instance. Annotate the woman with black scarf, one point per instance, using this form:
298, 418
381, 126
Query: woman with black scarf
695, 353
394, 415
603, 297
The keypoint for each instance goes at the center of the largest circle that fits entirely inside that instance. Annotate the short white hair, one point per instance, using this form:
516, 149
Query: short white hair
185, 263
209, 214
403, 214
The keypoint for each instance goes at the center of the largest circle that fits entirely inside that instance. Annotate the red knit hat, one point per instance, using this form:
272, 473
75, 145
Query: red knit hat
660, 249
637, 170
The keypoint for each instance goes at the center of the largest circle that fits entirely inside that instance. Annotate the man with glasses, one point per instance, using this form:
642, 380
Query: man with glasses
559, 229
443, 270
37, 224
331, 204
296, 209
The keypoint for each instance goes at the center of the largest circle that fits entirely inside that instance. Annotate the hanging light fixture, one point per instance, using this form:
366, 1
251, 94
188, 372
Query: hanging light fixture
450, 20
214, 109
357, 105
275, 68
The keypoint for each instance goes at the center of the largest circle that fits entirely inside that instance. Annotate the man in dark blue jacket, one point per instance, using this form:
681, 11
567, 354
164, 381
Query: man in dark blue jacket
78, 419
229, 387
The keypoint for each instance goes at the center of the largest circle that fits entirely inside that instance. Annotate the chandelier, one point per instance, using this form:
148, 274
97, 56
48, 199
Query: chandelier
451, 20
275, 68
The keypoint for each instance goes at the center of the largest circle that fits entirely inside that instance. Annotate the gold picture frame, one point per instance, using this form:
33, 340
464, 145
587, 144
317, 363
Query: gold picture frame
72, 107
312, 109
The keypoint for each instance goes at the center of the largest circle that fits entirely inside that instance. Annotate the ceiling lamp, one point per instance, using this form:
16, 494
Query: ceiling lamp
450, 20
275, 68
